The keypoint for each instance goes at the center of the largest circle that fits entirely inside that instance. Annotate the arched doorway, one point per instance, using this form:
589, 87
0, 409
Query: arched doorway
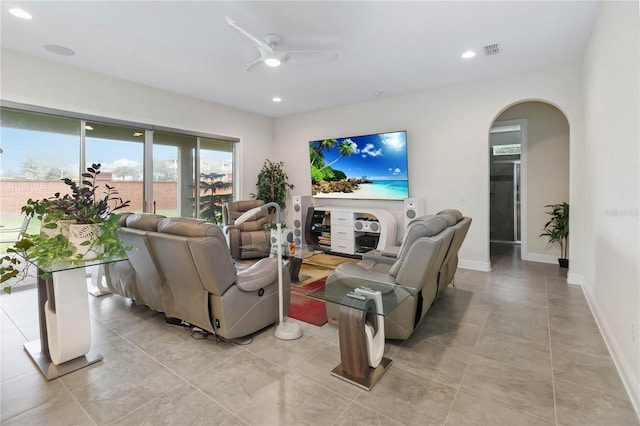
529, 169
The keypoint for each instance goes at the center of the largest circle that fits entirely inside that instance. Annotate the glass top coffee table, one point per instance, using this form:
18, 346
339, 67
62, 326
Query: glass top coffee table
363, 306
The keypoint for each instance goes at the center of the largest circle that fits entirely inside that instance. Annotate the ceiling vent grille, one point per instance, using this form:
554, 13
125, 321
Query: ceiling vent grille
491, 49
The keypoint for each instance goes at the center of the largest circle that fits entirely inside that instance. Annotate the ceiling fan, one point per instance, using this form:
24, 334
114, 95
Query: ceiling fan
273, 58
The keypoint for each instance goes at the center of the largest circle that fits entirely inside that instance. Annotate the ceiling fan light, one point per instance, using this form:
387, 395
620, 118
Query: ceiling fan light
272, 62
19, 13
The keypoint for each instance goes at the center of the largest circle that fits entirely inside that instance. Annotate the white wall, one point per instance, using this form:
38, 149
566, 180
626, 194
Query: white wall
31, 80
547, 155
447, 140
611, 190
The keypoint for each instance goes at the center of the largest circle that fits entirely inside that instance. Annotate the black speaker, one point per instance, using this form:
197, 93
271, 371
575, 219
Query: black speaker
301, 204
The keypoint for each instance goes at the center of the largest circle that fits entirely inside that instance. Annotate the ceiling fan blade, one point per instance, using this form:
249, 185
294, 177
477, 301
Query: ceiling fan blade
255, 40
254, 63
309, 57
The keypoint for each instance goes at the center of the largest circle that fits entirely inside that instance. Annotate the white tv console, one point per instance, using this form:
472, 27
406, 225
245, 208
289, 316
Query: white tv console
352, 231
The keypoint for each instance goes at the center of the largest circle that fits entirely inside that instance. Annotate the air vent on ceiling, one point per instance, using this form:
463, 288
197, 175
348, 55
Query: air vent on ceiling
491, 49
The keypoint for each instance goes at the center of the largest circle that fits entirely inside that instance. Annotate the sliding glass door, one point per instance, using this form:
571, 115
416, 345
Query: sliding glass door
36, 151
172, 173
120, 151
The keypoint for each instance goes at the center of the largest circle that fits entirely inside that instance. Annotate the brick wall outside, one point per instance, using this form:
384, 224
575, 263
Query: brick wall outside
15, 192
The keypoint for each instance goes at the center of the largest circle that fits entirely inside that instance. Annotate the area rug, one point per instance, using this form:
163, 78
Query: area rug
328, 260
306, 309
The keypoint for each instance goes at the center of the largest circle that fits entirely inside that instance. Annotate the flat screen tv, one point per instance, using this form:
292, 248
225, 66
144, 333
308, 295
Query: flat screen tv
370, 167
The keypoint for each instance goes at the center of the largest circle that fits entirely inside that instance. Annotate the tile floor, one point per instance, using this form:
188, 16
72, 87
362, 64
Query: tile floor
516, 346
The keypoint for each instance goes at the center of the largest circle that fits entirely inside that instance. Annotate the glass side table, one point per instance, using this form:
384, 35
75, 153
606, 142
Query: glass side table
363, 306
63, 313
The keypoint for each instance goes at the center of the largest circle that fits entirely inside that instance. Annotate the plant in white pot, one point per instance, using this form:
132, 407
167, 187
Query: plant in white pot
557, 230
94, 227
83, 207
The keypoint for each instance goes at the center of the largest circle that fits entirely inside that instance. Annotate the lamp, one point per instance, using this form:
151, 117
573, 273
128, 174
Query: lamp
284, 330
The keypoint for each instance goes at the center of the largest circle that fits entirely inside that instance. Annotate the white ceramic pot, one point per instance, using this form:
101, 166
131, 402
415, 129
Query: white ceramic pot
62, 228
80, 233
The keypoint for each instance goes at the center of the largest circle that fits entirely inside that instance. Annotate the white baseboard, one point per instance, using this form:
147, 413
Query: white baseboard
624, 370
474, 265
542, 258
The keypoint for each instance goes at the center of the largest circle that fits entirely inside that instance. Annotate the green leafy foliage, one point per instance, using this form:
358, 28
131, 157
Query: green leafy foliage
273, 184
84, 207
212, 202
320, 169
557, 228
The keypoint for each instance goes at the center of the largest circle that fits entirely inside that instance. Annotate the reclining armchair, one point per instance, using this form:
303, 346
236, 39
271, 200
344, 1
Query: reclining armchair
182, 267
460, 225
417, 265
248, 233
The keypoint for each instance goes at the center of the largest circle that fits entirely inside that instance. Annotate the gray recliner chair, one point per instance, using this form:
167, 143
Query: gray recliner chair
182, 267
417, 265
248, 233
460, 225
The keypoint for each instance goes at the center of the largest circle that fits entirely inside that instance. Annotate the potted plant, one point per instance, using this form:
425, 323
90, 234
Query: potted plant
84, 207
92, 213
557, 229
273, 184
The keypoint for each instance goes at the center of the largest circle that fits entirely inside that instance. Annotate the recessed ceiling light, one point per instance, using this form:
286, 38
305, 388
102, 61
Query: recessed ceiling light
59, 50
19, 13
272, 62
468, 54
377, 93
137, 134
87, 127
276, 99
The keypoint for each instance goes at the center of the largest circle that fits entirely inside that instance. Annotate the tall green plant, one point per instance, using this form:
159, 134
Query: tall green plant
557, 228
273, 184
212, 202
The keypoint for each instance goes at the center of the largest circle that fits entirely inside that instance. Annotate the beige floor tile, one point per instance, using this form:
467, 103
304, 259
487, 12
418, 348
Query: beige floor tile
593, 371
184, 405
433, 361
408, 398
288, 353
462, 337
126, 379
516, 352
263, 393
176, 348
506, 294
523, 322
31, 400
15, 363
461, 308
578, 405
11, 339
471, 410
327, 332
318, 368
517, 388
357, 415
586, 340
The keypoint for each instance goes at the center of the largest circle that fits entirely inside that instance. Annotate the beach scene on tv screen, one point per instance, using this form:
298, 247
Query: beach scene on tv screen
360, 167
